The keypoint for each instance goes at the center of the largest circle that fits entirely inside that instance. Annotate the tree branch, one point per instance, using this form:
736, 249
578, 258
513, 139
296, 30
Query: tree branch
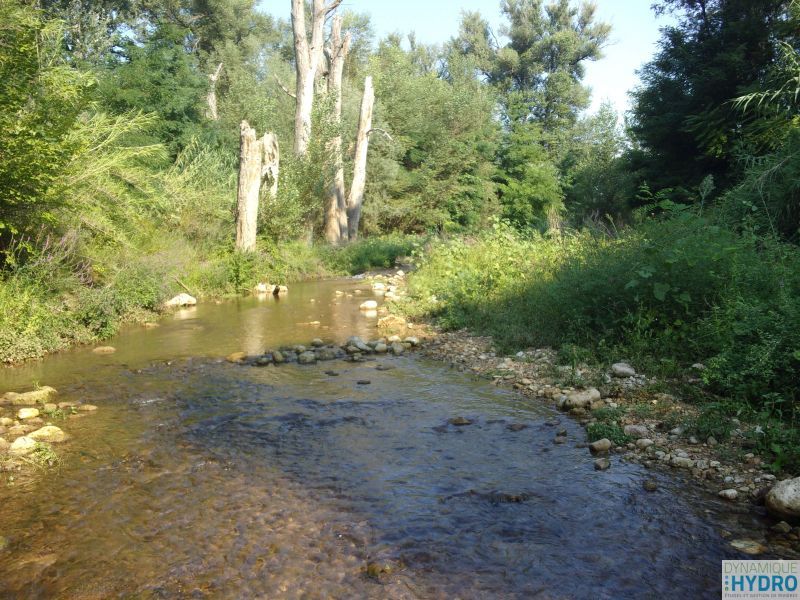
284, 88
383, 131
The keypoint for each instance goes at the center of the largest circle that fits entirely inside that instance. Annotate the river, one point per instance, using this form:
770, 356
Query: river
199, 478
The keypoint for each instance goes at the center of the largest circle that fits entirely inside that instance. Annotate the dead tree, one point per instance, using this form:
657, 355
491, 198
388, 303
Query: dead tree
308, 59
211, 98
336, 201
257, 158
356, 198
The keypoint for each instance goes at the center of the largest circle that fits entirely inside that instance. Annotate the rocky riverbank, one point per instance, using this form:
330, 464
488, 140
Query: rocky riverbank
30, 423
626, 420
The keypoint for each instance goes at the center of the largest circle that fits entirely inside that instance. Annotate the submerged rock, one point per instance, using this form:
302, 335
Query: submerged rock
87, 408
236, 357
749, 546
460, 421
601, 464
37, 396
104, 350
22, 445
516, 426
783, 500
48, 433
649, 485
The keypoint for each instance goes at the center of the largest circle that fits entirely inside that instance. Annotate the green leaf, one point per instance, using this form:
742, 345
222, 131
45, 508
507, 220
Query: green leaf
660, 291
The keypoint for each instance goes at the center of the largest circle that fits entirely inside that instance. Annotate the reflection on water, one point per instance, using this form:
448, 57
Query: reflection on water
203, 479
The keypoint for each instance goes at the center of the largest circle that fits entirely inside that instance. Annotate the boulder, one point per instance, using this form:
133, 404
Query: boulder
306, 358
682, 462
48, 433
783, 500
278, 357
644, 443
181, 299
4, 445
317, 343
381, 348
600, 446
264, 288
622, 369
581, 399
5, 421
37, 396
413, 340
22, 445
397, 349
27, 413
636, 431
729, 494
377, 285
279, 290
325, 354
369, 305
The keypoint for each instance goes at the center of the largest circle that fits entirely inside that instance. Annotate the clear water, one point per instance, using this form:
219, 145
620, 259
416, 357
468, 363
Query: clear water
199, 478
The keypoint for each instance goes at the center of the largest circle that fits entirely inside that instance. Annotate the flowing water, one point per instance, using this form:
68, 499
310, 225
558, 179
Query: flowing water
199, 478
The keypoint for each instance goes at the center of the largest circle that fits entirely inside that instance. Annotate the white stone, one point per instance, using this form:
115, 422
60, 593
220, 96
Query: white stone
636, 431
22, 445
27, 413
369, 305
622, 369
181, 299
783, 500
729, 494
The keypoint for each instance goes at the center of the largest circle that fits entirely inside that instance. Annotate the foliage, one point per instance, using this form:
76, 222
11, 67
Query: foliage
610, 431
670, 292
40, 100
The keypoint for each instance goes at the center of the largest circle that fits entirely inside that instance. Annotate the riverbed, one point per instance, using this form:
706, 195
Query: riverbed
199, 478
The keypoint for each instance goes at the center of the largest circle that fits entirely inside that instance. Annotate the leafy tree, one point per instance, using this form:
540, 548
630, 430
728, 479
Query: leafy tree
538, 72
682, 117
40, 99
159, 77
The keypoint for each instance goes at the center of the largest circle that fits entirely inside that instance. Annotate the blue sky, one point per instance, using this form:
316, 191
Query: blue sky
633, 38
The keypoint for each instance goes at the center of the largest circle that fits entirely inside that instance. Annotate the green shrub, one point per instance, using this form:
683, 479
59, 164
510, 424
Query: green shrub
611, 431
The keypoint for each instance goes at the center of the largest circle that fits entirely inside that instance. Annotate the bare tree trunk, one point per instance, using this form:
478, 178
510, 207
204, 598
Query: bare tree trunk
356, 198
211, 98
250, 157
336, 202
270, 162
308, 58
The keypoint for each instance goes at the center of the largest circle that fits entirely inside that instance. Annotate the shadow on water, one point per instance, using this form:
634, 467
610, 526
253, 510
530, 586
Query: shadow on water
206, 479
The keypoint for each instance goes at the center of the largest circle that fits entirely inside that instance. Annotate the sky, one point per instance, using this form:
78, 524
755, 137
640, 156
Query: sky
635, 30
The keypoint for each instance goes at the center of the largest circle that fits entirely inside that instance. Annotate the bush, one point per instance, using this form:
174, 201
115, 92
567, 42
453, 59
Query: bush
666, 293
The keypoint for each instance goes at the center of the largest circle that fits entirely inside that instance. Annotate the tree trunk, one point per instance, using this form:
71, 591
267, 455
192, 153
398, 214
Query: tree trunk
270, 162
308, 58
356, 198
336, 201
250, 159
211, 98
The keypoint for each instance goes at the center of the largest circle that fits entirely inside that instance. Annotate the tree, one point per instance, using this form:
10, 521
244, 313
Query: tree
336, 201
308, 57
257, 158
40, 101
682, 117
538, 73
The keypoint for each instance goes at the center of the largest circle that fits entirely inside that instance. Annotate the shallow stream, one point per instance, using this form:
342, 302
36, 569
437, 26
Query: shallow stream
199, 478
